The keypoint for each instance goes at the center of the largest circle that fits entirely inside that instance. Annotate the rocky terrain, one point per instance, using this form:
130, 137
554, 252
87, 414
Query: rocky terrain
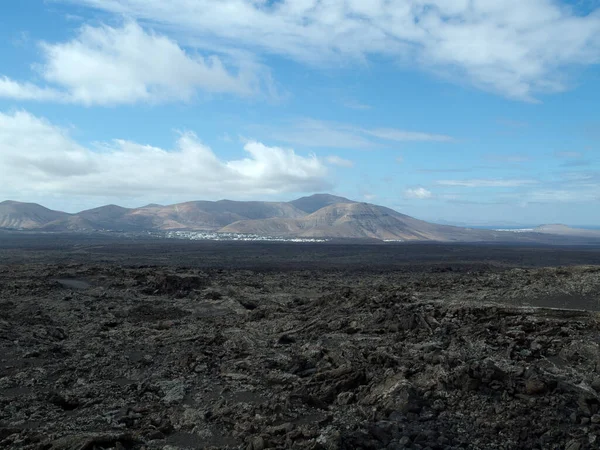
147, 345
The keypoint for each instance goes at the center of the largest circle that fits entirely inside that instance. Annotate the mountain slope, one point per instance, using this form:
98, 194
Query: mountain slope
361, 220
109, 217
210, 216
333, 217
315, 202
564, 230
26, 216
196, 216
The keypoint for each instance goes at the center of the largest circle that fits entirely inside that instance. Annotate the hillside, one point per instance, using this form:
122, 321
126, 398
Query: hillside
564, 230
317, 201
196, 216
362, 220
316, 216
16, 215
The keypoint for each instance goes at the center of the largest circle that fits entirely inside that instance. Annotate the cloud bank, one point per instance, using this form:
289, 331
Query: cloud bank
109, 66
39, 158
319, 133
514, 48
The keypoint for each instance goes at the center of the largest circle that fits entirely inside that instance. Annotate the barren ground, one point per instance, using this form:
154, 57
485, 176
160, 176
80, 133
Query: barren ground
137, 344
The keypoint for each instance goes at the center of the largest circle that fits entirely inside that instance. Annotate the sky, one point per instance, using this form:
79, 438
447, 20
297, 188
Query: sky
455, 111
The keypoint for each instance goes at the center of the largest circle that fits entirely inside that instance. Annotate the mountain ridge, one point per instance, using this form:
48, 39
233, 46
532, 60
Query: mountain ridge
313, 203
315, 216
15, 214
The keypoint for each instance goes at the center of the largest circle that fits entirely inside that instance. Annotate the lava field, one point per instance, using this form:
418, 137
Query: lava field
146, 345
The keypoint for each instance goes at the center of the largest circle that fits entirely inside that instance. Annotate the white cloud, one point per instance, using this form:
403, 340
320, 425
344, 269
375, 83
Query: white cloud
41, 159
418, 193
341, 162
317, 133
514, 159
579, 177
107, 66
591, 194
391, 134
513, 47
487, 182
225, 137
569, 155
27, 91
353, 104
572, 187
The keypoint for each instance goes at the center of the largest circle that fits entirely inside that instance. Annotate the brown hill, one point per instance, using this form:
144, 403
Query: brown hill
564, 230
26, 216
109, 217
333, 217
197, 216
208, 216
317, 201
71, 223
362, 220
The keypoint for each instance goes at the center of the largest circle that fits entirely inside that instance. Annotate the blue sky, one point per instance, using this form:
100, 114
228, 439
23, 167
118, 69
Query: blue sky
457, 111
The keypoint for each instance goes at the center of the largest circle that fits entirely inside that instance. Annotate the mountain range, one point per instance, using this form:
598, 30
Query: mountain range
316, 216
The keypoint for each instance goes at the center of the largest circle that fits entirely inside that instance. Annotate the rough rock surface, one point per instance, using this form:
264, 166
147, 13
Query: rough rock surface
98, 356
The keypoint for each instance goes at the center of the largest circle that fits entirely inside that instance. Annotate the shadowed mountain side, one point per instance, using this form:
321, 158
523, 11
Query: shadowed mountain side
317, 201
26, 215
